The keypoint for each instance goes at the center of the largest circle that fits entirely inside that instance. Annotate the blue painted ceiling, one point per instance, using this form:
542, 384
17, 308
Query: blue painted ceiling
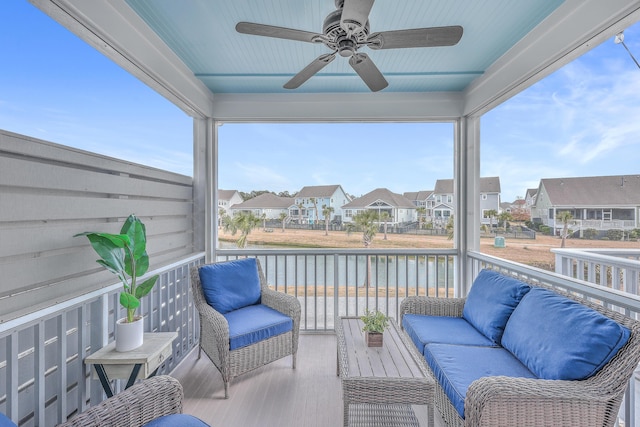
202, 34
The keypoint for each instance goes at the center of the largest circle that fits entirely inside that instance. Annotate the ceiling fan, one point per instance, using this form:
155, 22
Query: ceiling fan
346, 30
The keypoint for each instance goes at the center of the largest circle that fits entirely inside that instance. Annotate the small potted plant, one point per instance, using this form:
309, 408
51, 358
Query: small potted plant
375, 323
125, 255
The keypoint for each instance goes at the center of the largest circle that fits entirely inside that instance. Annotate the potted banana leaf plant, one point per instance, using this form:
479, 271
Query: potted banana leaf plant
125, 255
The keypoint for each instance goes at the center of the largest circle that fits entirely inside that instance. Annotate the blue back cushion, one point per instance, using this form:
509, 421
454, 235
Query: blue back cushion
177, 420
231, 285
490, 302
561, 339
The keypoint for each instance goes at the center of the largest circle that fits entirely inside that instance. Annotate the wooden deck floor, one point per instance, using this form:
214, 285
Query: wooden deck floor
274, 395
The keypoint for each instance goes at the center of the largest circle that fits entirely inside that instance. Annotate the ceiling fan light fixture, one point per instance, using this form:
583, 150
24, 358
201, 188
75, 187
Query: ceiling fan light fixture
347, 47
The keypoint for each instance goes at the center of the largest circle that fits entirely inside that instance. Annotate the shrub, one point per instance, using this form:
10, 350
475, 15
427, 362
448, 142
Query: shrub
544, 229
615, 234
590, 233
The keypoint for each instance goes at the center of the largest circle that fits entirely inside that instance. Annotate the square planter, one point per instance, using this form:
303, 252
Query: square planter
373, 339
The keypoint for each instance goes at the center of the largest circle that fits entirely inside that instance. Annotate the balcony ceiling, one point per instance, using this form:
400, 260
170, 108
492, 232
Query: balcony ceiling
190, 52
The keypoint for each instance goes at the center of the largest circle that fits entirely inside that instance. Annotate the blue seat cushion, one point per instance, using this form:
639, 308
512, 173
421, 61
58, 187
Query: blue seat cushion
177, 420
560, 339
231, 285
441, 329
5, 421
455, 367
490, 302
249, 325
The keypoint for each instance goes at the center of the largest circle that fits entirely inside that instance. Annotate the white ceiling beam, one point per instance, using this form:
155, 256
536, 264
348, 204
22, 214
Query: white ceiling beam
322, 107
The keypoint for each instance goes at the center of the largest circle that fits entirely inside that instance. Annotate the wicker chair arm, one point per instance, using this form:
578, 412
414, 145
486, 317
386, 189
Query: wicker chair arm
499, 400
284, 303
135, 406
216, 327
432, 306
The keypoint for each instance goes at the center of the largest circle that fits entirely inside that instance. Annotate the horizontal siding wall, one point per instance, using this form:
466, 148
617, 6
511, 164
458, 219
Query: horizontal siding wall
49, 193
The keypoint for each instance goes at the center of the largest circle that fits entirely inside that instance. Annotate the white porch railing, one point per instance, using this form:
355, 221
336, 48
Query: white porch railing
626, 303
600, 224
43, 379
612, 268
347, 282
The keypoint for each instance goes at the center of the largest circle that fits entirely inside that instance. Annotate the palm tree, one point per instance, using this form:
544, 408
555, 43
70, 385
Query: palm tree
366, 221
315, 208
504, 217
564, 217
221, 214
422, 211
263, 217
492, 213
300, 207
243, 222
450, 228
283, 219
385, 217
326, 213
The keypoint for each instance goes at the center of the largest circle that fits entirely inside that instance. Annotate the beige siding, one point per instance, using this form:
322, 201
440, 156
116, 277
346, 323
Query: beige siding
50, 192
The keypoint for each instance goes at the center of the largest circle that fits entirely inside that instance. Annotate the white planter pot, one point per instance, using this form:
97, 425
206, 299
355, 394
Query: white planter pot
129, 335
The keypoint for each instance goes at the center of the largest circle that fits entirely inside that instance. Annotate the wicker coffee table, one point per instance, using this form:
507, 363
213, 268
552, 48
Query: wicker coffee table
383, 380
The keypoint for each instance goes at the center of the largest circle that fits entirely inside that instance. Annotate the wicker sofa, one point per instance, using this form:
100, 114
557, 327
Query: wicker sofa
567, 361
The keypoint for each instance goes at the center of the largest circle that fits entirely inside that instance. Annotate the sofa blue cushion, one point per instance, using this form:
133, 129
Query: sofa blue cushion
255, 323
455, 367
560, 339
176, 420
441, 329
230, 285
490, 302
5, 421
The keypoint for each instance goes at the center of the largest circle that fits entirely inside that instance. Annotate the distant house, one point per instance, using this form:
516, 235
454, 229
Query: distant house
420, 199
226, 199
530, 198
400, 209
309, 201
506, 207
598, 202
267, 204
443, 200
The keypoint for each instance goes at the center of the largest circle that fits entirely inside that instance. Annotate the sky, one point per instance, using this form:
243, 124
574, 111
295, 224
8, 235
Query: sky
583, 120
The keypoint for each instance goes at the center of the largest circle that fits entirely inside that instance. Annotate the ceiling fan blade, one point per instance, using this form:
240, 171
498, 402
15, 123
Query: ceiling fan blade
418, 37
355, 14
277, 32
310, 70
368, 72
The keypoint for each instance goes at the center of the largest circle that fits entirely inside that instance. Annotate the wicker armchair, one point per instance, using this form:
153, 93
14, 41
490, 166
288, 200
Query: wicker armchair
507, 401
135, 406
214, 333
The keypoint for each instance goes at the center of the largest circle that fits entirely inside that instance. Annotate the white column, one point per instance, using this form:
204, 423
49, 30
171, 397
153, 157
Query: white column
467, 192
204, 186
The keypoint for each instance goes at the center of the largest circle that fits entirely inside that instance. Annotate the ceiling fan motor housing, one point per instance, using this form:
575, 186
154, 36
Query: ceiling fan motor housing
335, 33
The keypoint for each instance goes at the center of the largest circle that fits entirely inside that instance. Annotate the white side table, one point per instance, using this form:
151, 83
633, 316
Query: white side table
140, 363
